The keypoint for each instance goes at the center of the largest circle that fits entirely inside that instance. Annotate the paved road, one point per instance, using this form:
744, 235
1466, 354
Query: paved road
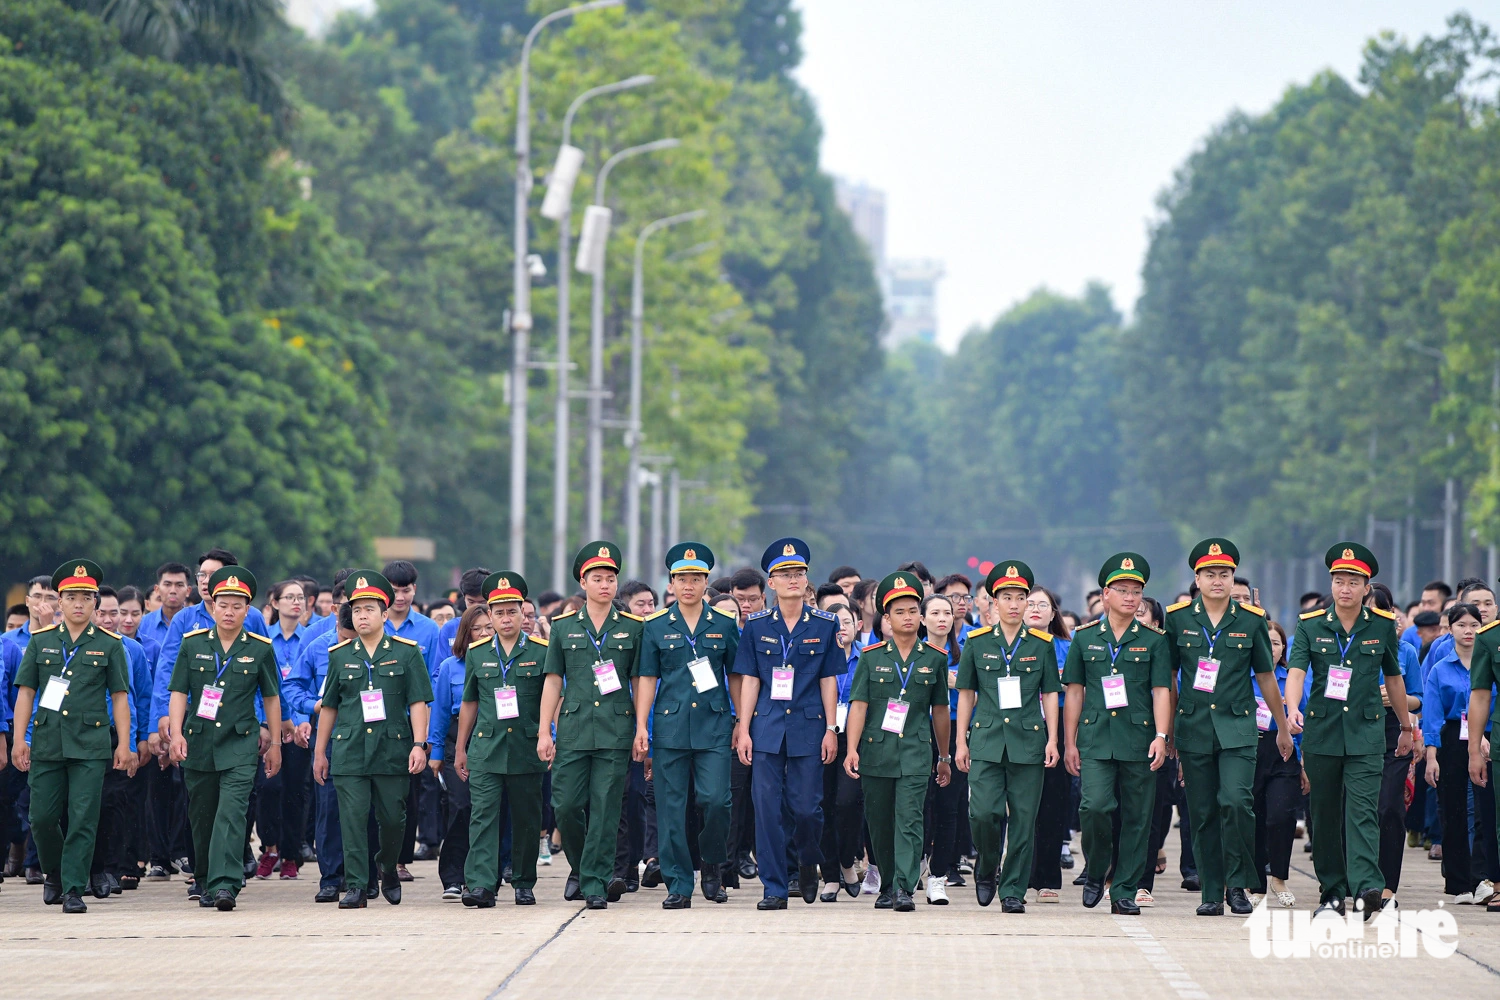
152, 942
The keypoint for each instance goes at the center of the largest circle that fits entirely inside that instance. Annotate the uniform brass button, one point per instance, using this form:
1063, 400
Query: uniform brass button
1036, 727
1211, 705
1113, 714
478, 734
900, 736
509, 730
369, 730
65, 711
695, 704
789, 711
218, 725
666, 711
596, 704
70, 673
1004, 720
1346, 708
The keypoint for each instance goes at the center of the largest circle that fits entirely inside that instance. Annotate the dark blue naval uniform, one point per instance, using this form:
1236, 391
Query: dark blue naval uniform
788, 735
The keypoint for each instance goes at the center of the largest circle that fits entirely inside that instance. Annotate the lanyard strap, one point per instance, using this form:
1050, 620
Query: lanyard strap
1016, 648
67, 656
598, 646
687, 634
1114, 652
905, 675
370, 667
219, 667
786, 651
1344, 646
1211, 639
504, 665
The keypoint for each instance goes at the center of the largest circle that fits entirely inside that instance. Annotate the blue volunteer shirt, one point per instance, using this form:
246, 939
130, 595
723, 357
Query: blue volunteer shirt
189, 619
448, 694
304, 687
424, 632
1447, 696
288, 652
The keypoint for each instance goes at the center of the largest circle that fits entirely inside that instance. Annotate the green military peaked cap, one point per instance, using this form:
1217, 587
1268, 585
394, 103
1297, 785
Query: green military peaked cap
78, 574
596, 555
1351, 557
1010, 573
896, 585
1212, 552
689, 557
367, 584
232, 581
1125, 566
504, 586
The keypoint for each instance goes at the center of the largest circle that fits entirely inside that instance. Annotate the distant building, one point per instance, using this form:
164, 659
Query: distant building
909, 287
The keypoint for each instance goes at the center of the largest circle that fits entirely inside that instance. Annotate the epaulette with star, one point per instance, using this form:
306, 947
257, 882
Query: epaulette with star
402, 638
1384, 614
829, 616
1178, 606
196, 631
980, 631
1304, 616
267, 639
1044, 636
657, 614
1260, 611
1153, 628
762, 613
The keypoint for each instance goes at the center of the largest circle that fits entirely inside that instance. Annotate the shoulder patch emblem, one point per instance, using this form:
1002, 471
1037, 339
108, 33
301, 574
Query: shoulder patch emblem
1178, 606
1153, 628
937, 649
565, 614
1491, 625
39, 631
1044, 636
873, 645
112, 635
536, 639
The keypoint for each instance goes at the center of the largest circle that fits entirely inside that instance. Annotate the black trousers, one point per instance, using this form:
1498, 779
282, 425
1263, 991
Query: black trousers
1390, 808
843, 816
1278, 793
168, 828
741, 812
630, 838
281, 801
1168, 793
1051, 828
112, 841
455, 850
1463, 868
948, 806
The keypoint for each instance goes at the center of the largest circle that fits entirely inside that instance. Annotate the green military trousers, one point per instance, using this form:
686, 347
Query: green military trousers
588, 788
1344, 793
71, 788
997, 793
1221, 802
218, 811
709, 773
1096, 810
893, 811
357, 793
486, 788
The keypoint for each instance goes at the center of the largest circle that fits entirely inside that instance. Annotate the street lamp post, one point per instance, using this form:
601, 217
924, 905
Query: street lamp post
596, 336
566, 171
520, 310
637, 351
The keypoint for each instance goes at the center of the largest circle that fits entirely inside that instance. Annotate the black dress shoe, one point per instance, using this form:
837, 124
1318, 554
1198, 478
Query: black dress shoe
729, 875
224, 900
596, 903
651, 877
373, 889
632, 885
113, 881
1010, 904
469, 897
793, 885
1192, 883
327, 894
128, 882
749, 869
99, 886
954, 878
507, 874
390, 887
52, 893
73, 903
1238, 902
853, 888
807, 877
885, 901
676, 901
1126, 907
713, 890
1334, 905
1081, 878
1373, 901
354, 899
571, 892
1065, 860
34, 876
772, 903
206, 901
1093, 892
524, 897
1210, 909
984, 891
194, 890
903, 902
615, 889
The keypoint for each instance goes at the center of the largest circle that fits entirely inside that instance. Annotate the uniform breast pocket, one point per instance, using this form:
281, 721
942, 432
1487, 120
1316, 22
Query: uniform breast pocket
620, 645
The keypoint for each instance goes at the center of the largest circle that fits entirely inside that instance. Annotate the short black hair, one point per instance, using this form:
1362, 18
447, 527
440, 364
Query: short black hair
747, 579
950, 580
1427, 619
840, 572
400, 573
338, 582
18, 609
174, 567
1412, 604
346, 617
106, 591
1153, 606
439, 603
1440, 587
471, 583
130, 592
827, 590
548, 597
633, 587
862, 589
1312, 598
721, 584
218, 555
916, 569
1381, 595
1096, 592
1470, 586
1242, 581
45, 582
1460, 609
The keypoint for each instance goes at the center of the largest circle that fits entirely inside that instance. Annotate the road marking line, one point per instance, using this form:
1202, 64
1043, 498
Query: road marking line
1156, 953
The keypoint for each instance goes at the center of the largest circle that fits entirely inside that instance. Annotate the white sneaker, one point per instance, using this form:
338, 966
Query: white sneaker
1464, 899
1143, 897
872, 881
544, 853
937, 891
453, 893
1484, 891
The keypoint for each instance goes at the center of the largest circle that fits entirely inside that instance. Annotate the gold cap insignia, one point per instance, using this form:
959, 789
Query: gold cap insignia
360, 583
1215, 550
1348, 553
502, 584
231, 581
1127, 563
789, 549
689, 554
80, 571
900, 582
604, 552
1011, 571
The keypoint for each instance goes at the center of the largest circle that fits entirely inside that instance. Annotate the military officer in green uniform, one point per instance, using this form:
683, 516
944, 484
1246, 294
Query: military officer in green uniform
1007, 734
81, 671
594, 649
1484, 671
501, 708
218, 673
1117, 718
901, 688
686, 651
375, 715
1348, 647
1217, 644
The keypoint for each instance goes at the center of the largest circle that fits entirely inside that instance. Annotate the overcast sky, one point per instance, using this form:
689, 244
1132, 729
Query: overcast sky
1024, 143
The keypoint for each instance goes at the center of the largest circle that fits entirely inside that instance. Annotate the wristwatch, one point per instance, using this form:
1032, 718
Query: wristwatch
1161, 736
424, 747
833, 729
945, 760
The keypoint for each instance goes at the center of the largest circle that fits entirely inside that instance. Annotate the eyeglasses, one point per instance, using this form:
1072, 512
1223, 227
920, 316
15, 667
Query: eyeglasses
1038, 606
960, 598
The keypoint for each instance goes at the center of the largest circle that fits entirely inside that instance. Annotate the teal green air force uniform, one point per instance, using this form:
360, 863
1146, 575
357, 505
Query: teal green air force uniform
1215, 731
595, 730
1007, 748
369, 760
1484, 671
502, 758
1343, 745
71, 746
690, 736
894, 766
219, 771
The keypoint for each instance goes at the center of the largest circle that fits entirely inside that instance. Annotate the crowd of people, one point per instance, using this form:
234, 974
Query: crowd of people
893, 737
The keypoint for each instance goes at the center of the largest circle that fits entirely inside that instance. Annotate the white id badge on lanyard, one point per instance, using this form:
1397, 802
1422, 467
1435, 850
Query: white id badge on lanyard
52, 694
781, 684
1262, 715
209, 700
703, 674
895, 716
1114, 691
506, 706
1207, 675
1463, 726
1337, 687
373, 704
604, 673
1010, 692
